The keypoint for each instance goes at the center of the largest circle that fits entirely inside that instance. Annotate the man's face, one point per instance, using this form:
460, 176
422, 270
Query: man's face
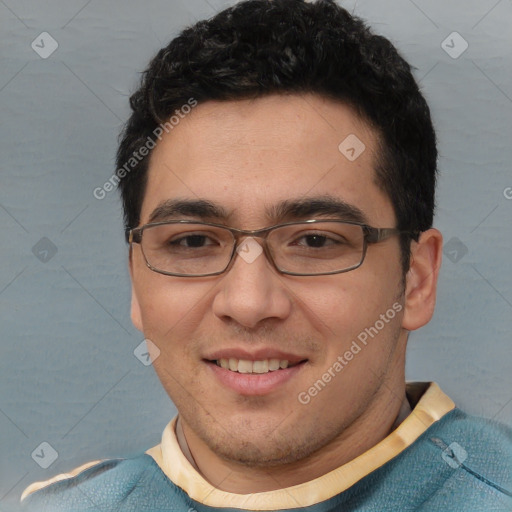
247, 157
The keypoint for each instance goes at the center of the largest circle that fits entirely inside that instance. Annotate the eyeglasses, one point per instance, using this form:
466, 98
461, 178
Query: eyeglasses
185, 248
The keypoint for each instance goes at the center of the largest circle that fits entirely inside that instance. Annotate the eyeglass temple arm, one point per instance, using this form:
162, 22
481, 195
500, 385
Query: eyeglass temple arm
374, 235
133, 235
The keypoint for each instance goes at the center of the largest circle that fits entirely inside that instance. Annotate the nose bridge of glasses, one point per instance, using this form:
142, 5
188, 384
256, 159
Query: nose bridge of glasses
242, 235
248, 251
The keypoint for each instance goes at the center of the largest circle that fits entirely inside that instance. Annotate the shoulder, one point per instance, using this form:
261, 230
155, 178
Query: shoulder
459, 463
36, 486
103, 485
489, 442
474, 457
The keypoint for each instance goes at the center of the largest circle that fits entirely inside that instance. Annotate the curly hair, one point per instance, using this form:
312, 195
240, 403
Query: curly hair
263, 47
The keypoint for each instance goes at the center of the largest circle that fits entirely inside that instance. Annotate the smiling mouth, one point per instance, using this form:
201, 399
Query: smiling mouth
254, 367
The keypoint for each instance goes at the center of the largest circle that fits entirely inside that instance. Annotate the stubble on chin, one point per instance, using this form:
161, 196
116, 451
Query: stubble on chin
264, 446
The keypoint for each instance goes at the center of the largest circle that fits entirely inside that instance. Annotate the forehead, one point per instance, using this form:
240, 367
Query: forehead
250, 156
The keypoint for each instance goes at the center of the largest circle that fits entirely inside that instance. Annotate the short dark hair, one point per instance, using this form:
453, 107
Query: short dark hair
262, 47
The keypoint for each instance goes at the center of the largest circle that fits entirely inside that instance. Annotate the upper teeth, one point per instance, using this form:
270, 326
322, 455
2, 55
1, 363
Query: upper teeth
246, 366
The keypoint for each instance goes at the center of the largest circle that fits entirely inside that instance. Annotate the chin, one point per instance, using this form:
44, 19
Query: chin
257, 454
265, 447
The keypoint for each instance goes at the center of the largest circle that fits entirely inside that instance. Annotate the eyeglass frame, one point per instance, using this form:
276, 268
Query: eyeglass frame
371, 235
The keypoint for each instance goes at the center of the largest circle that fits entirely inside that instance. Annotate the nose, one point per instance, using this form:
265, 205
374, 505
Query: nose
251, 290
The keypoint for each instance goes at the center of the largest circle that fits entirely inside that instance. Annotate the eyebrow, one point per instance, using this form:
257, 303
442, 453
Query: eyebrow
285, 211
200, 208
333, 207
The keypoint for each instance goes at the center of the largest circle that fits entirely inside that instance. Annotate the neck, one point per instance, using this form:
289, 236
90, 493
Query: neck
383, 415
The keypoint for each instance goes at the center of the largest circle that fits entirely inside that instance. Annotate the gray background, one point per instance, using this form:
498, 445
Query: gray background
68, 374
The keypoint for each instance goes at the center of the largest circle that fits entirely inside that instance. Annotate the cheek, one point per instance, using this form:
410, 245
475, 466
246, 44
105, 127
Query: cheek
171, 312
344, 302
347, 308
169, 305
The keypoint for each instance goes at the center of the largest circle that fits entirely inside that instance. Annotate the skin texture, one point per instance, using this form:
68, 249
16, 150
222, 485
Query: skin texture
245, 156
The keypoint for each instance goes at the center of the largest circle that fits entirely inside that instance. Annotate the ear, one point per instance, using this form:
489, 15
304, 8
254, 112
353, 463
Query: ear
421, 279
135, 306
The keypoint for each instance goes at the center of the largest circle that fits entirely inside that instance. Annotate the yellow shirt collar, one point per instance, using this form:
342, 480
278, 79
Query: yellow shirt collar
431, 405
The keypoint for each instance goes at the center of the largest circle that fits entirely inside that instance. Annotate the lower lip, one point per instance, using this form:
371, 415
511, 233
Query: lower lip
253, 384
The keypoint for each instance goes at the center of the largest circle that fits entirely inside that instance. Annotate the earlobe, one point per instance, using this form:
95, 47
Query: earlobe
421, 279
135, 306
135, 311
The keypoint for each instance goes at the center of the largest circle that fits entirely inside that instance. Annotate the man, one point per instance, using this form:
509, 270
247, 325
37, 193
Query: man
278, 175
